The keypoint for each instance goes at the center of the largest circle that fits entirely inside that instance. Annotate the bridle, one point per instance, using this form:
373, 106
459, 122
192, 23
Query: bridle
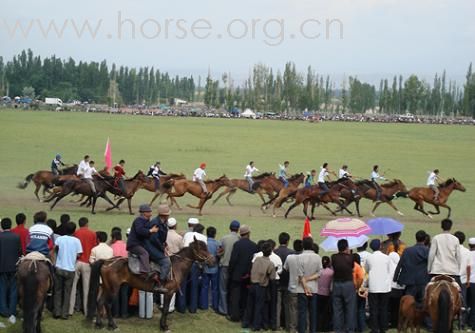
197, 255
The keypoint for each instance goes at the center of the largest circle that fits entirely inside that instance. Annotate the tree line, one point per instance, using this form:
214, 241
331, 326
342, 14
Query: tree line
265, 90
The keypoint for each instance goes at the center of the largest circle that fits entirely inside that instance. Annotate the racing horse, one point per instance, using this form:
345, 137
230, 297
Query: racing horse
389, 191
243, 184
46, 179
34, 280
294, 181
442, 302
114, 272
421, 194
182, 186
164, 186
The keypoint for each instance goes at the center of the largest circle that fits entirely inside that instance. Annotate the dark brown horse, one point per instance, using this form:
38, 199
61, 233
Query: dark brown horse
409, 315
277, 186
114, 272
270, 185
46, 179
132, 185
164, 187
311, 195
243, 184
82, 187
421, 194
442, 303
33, 279
182, 186
389, 191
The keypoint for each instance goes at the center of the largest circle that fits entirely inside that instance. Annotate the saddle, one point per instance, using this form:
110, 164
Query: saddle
34, 256
435, 283
134, 264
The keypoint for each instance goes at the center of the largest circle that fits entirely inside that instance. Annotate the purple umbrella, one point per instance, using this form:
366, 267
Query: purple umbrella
384, 226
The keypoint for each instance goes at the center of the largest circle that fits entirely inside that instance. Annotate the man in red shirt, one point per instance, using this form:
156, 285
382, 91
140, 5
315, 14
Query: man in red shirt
119, 174
21, 231
88, 240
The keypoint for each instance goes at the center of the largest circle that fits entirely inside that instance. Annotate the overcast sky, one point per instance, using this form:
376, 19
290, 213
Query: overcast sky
367, 38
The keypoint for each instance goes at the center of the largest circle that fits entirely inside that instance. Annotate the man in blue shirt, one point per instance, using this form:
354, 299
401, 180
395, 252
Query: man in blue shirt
68, 250
41, 236
210, 273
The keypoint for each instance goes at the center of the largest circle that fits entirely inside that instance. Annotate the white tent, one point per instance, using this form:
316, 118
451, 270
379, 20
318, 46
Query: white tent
248, 113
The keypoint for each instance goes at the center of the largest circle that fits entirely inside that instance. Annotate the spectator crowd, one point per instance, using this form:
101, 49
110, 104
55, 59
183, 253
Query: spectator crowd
262, 285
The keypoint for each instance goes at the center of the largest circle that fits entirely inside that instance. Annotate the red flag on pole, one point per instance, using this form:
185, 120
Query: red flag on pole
306, 228
108, 155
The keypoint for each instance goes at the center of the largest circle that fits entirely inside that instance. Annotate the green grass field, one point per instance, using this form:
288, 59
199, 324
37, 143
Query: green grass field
29, 141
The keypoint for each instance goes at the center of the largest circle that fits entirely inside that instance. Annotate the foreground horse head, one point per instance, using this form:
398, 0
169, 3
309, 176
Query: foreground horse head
455, 183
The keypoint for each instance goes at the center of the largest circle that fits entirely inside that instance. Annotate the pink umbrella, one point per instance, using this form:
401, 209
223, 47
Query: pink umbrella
345, 227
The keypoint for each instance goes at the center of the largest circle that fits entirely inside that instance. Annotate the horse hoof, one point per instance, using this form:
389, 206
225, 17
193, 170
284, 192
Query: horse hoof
400, 213
372, 214
274, 216
429, 216
93, 213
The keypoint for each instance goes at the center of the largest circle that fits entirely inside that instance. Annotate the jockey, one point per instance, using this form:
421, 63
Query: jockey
140, 231
250, 169
82, 166
155, 172
119, 174
156, 244
310, 179
283, 173
323, 176
56, 164
87, 174
199, 176
375, 176
433, 181
344, 173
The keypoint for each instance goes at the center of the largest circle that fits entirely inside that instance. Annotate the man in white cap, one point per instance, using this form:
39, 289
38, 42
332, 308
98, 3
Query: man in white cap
192, 221
174, 239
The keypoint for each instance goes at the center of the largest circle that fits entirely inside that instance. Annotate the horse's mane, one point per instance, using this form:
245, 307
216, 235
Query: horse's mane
70, 168
263, 175
293, 177
391, 183
136, 175
216, 180
448, 182
173, 175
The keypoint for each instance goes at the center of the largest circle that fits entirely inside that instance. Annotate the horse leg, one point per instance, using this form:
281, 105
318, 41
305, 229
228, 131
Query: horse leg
106, 198
357, 205
394, 207
328, 208
313, 211
129, 203
111, 323
295, 204
420, 207
228, 197
155, 196
37, 189
94, 199
59, 197
374, 208
166, 307
219, 197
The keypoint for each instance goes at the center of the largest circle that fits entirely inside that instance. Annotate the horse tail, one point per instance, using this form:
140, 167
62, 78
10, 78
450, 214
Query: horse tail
94, 284
444, 305
402, 194
25, 183
168, 184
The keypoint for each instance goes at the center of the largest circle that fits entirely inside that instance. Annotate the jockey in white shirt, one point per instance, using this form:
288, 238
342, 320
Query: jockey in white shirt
155, 172
433, 182
250, 169
344, 173
88, 172
199, 176
322, 177
82, 166
375, 176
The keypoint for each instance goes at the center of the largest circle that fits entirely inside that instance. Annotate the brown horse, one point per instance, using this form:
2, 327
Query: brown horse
389, 191
243, 184
286, 192
277, 186
270, 185
164, 187
46, 179
421, 194
312, 195
131, 185
409, 315
183, 186
443, 303
33, 279
114, 272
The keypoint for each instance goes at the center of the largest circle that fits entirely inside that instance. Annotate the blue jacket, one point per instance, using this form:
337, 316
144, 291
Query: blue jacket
412, 268
213, 246
10, 251
159, 239
139, 232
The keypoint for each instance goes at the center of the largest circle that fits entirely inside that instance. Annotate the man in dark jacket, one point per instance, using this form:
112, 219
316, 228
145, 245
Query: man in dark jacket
156, 244
239, 272
140, 231
411, 270
10, 251
283, 252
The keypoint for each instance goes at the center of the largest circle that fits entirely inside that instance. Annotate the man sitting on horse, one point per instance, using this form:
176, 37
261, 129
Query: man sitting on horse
119, 174
199, 176
310, 178
88, 172
56, 164
156, 244
323, 176
250, 169
433, 182
140, 231
375, 176
283, 173
155, 172
344, 173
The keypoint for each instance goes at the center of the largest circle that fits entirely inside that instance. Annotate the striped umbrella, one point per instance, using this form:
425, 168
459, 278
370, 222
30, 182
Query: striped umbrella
345, 227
